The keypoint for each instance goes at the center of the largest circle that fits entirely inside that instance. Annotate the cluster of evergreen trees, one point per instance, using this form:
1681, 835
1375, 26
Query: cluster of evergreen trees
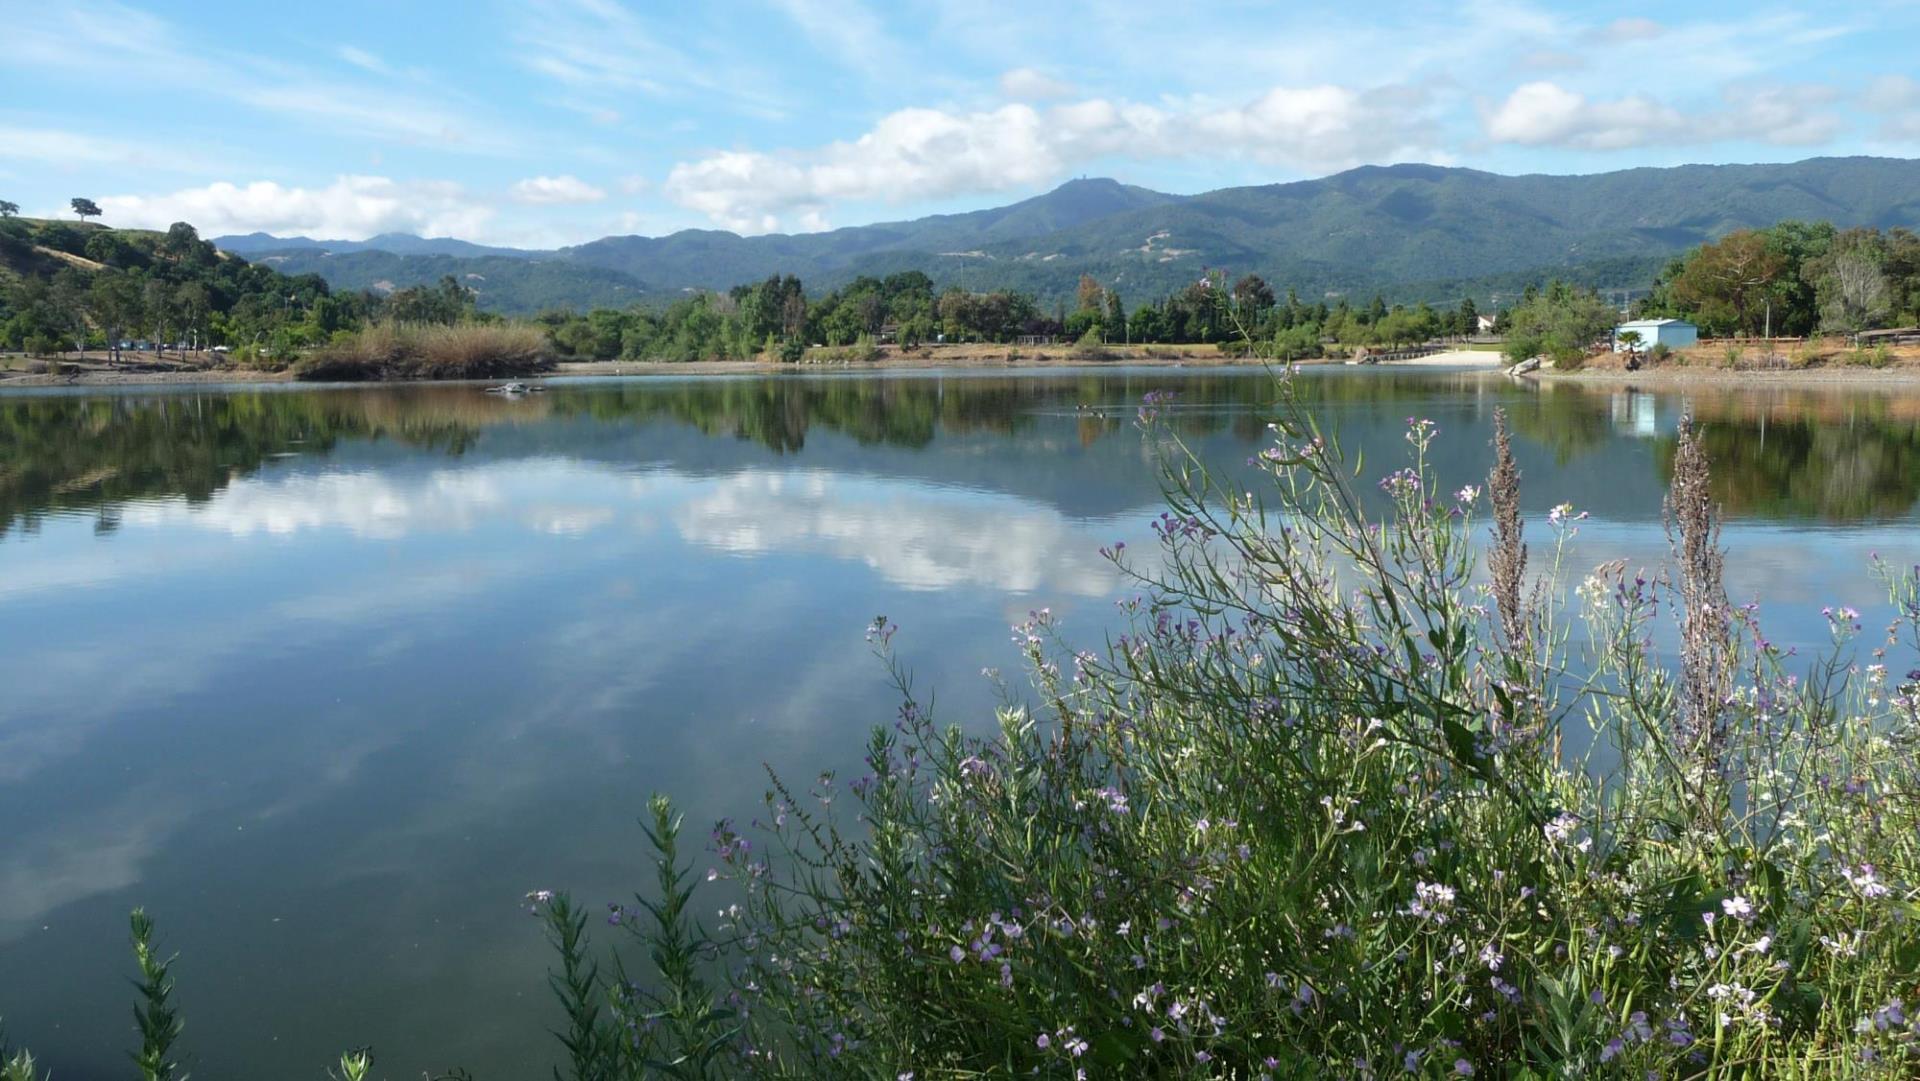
776, 317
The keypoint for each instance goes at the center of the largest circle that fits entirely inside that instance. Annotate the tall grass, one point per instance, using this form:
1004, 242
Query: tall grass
390, 351
155, 1017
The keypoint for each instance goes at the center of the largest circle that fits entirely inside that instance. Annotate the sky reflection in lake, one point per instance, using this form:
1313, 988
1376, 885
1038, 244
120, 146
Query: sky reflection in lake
327, 678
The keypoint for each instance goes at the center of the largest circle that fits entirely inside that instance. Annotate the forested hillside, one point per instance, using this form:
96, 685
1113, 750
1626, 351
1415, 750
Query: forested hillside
1407, 232
62, 283
512, 285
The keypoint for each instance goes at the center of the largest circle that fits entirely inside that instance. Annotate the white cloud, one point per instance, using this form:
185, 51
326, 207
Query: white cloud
1544, 113
362, 59
1547, 114
51, 36
600, 114
601, 47
556, 189
911, 538
935, 153
1026, 84
913, 153
350, 208
376, 114
67, 148
1889, 93
1552, 60
845, 32
1897, 98
1623, 30
1781, 115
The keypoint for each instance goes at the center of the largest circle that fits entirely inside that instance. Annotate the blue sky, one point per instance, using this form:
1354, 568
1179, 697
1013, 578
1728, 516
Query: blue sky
545, 122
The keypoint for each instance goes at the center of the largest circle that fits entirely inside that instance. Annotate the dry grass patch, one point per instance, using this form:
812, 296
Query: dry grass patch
408, 351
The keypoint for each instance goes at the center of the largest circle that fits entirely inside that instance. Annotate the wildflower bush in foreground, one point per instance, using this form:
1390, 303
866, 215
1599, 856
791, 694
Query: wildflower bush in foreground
1313, 816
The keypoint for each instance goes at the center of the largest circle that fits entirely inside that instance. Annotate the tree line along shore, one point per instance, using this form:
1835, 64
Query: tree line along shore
81, 300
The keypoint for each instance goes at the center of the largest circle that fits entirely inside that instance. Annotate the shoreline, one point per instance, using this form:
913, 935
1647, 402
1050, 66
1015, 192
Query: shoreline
1898, 377
971, 358
1895, 378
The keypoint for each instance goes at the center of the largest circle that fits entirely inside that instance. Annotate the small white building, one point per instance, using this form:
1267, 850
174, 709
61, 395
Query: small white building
1672, 333
1484, 324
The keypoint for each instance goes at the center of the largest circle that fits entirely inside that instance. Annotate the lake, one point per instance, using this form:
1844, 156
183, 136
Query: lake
328, 678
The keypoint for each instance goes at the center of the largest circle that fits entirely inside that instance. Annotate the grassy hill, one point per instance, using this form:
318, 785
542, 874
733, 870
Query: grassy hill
1411, 232
62, 281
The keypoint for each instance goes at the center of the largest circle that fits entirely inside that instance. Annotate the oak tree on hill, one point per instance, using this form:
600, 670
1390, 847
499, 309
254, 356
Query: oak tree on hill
85, 208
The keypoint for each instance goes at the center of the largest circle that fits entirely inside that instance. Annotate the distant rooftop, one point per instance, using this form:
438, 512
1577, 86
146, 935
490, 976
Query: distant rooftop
1653, 322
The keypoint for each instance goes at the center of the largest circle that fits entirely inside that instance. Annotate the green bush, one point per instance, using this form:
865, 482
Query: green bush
1873, 356
1090, 347
862, 351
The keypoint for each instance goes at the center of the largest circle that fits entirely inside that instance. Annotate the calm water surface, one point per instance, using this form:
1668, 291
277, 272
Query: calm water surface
328, 678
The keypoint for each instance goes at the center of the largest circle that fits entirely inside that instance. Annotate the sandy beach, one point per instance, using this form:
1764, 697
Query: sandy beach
1456, 359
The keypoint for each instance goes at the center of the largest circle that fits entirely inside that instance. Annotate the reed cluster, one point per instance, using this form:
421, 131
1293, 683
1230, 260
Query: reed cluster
389, 351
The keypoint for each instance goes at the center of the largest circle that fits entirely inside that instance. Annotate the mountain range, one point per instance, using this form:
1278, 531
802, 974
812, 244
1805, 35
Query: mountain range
1409, 232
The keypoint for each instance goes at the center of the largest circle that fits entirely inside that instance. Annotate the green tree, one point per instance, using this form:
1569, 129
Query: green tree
1089, 294
158, 314
1253, 294
115, 300
182, 245
8, 209
1850, 282
1147, 325
1561, 322
1727, 286
447, 303
69, 303
1296, 342
84, 208
192, 301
